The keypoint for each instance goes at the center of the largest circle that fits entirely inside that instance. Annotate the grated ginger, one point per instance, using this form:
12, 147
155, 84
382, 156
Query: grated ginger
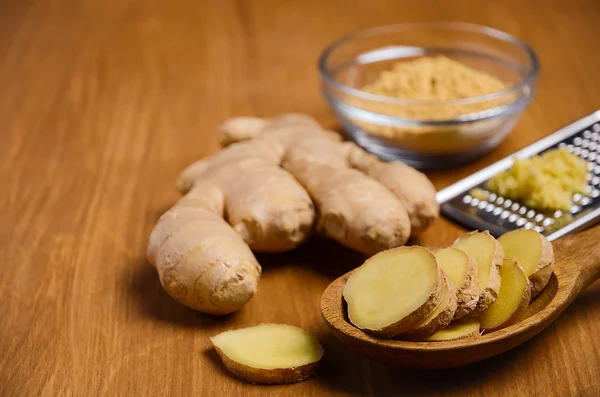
545, 182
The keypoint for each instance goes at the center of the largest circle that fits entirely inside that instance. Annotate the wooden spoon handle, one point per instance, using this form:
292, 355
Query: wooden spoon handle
582, 251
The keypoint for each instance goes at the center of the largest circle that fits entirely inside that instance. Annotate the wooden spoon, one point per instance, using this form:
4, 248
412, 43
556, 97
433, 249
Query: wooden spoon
577, 265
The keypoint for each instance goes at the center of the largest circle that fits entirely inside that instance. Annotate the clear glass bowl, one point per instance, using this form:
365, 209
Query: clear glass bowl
394, 128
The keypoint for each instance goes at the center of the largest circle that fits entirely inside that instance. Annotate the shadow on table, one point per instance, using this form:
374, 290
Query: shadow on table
153, 302
357, 375
318, 254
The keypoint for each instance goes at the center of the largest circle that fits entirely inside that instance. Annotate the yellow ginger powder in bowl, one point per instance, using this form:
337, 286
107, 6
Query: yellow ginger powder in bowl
544, 182
434, 80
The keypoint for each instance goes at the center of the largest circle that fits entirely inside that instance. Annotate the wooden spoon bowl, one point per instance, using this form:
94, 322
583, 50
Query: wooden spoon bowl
577, 265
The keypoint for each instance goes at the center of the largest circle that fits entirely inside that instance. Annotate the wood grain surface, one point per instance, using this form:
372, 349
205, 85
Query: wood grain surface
104, 102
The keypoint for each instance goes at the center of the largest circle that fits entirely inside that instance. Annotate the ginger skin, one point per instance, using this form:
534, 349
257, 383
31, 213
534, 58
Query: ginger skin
275, 182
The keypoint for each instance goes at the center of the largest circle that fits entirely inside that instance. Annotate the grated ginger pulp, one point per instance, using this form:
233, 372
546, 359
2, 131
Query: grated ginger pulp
545, 182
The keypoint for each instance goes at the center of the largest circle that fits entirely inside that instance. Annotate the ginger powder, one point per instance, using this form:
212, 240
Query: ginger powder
434, 80
544, 182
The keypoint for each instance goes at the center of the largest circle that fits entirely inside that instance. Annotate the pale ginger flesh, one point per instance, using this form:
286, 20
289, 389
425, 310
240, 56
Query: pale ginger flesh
269, 353
463, 328
534, 253
394, 291
488, 255
512, 301
461, 269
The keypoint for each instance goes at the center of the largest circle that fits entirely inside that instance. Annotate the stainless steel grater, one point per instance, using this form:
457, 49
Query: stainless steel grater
500, 215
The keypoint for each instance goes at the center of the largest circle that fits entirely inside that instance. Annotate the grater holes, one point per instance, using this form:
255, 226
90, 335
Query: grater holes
513, 218
538, 218
467, 199
538, 229
585, 144
505, 214
596, 127
515, 207
587, 134
528, 225
522, 211
595, 137
570, 148
593, 146
577, 151
586, 201
595, 180
592, 157
521, 222
497, 211
530, 214
474, 202
584, 153
548, 221
595, 193
577, 197
482, 204
507, 203
575, 209
500, 200
577, 141
489, 207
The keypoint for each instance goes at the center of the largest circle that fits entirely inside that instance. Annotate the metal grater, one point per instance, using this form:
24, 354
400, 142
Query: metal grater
500, 215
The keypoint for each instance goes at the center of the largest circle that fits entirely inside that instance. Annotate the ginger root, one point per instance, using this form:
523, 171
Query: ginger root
269, 353
512, 301
534, 253
394, 291
275, 182
488, 255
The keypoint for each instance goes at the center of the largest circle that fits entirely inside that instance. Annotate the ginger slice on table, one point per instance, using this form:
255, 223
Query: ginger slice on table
269, 353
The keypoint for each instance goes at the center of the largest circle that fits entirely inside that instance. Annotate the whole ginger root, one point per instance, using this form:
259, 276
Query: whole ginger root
274, 183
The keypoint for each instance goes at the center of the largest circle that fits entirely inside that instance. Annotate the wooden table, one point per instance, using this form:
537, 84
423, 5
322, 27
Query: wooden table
104, 102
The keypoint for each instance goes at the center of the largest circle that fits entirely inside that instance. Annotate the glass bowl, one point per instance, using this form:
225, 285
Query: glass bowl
396, 128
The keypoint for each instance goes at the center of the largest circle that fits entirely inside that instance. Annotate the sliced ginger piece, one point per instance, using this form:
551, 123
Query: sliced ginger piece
534, 253
463, 328
512, 301
461, 269
269, 353
488, 255
439, 318
394, 290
